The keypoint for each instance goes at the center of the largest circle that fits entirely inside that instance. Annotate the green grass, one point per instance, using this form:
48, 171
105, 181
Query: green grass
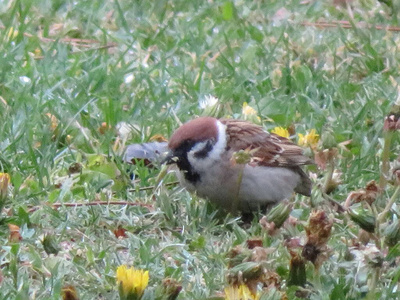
162, 59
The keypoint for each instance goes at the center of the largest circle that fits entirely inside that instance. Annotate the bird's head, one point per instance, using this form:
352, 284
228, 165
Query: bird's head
194, 143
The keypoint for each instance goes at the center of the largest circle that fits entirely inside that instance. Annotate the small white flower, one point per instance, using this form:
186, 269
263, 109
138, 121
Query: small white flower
128, 78
124, 130
208, 101
25, 79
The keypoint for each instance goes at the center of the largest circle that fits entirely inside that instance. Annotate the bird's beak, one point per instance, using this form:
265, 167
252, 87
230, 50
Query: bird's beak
170, 159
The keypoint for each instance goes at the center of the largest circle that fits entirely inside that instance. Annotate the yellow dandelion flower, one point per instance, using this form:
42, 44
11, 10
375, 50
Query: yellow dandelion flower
241, 292
310, 139
246, 294
283, 132
132, 282
231, 292
247, 110
249, 113
301, 141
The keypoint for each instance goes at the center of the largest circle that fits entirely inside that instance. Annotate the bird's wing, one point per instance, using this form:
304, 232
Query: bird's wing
269, 149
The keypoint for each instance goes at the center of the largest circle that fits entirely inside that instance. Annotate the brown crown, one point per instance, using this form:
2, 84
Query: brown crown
199, 129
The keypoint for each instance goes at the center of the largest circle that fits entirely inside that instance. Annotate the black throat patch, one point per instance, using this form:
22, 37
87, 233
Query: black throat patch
184, 165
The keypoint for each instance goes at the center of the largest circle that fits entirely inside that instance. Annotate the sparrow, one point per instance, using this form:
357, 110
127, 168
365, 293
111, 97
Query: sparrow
204, 150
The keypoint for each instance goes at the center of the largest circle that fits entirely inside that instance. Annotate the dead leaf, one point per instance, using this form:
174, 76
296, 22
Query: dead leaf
322, 157
120, 232
368, 194
69, 293
255, 242
104, 127
15, 236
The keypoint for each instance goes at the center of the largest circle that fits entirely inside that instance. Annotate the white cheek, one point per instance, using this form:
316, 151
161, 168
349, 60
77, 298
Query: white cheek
204, 164
198, 147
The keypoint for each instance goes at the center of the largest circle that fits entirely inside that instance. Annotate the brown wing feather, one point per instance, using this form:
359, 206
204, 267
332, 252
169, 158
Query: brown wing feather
272, 150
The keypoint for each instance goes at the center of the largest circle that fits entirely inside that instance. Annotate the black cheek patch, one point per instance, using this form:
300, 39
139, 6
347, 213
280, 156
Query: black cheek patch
183, 163
203, 152
188, 172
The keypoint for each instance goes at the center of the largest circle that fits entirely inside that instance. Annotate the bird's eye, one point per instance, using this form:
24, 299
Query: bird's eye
185, 146
187, 143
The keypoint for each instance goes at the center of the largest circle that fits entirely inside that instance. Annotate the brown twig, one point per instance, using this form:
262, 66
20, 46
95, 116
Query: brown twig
149, 206
339, 208
347, 25
57, 205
